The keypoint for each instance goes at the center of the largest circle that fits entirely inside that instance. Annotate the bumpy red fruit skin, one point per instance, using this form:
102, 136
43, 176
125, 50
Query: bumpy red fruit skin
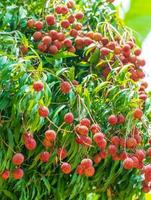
72, 49
140, 154
103, 154
128, 163
83, 140
43, 111
138, 113
98, 137
115, 140
18, 173
64, 10
89, 171
42, 47
137, 52
86, 122
102, 144
58, 44
120, 119
44, 156
68, 118
46, 40
58, 9
65, 24
53, 34
97, 37
82, 130
53, 50
38, 25
61, 36
71, 19
147, 173
30, 144
67, 43
97, 159
18, 159
62, 153
112, 119
149, 152
30, 23
66, 168
86, 162
73, 33
112, 149
37, 36
38, 86
5, 175
65, 87
131, 143
50, 135
79, 15
79, 170
95, 128
78, 26
50, 19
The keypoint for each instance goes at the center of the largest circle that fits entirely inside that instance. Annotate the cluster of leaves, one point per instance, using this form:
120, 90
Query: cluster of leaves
95, 97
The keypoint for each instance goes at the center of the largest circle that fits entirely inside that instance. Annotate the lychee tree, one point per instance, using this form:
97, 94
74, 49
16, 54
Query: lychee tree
74, 110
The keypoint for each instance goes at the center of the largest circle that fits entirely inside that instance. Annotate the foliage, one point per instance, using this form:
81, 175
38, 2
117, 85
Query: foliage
96, 97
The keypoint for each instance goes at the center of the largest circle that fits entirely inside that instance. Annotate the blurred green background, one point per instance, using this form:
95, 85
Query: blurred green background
139, 16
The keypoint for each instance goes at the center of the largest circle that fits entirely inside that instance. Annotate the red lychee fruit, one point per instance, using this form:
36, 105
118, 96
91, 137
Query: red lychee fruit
79, 15
140, 154
102, 144
70, 4
65, 24
50, 19
62, 153
46, 40
30, 23
64, 10
43, 111
18, 173
58, 9
71, 19
5, 175
89, 171
53, 50
53, 34
97, 37
120, 119
38, 86
65, 87
50, 135
18, 159
69, 118
82, 130
24, 49
86, 162
115, 140
138, 113
67, 43
86, 122
61, 36
128, 163
44, 156
37, 35
131, 143
42, 47
79, 170
66, 168
30, 144
112, 119
112, 149
38, 25
95, 128
73, 33
137, 52
98, 137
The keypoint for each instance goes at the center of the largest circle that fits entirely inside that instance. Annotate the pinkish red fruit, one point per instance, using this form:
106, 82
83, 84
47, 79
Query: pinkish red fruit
5, 175
50, 19
65, 87
68, 118
89, 171
128, 163
86, 162
38, 86
18, 159
62, 153
79, 170
86, 122
66, 168
131, 143
115, 140
98, 137
43, 111
18, 173
44, 156
112, 149
138, 113
95, 128
112, 119
38, 25
30, 144
50, 135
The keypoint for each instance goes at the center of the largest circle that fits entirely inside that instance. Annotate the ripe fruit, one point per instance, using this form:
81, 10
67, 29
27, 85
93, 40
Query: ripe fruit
115, 140
50, 135
147, 173
128, 163
18, 173
72, 49
44, 156
18, 159
78, 26
53, 49
68, 118
87, 41
30, 144
131, 143
112, 119
79, 15
67, 43
126, 48
50, 19
96, 36
46, 40
65, 24
79, 170
24, 49
86, 162
104, 51
5, 175
149, 152
37, 35
103, 154
71, 19
70, 4
86, 122
58, 9
38, 25
30, 23
120, 119
102, 144
62, 153
97, 158
112, 149
42, 47
98, 137
38, 86
65, 87
140, 154
89, 171
138, 113
82, 130
53, 34
58, 44
66, 168
61, 36
73, 33
46, 143
137, 52
95, 128
43, 111
83, 140
64, 10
